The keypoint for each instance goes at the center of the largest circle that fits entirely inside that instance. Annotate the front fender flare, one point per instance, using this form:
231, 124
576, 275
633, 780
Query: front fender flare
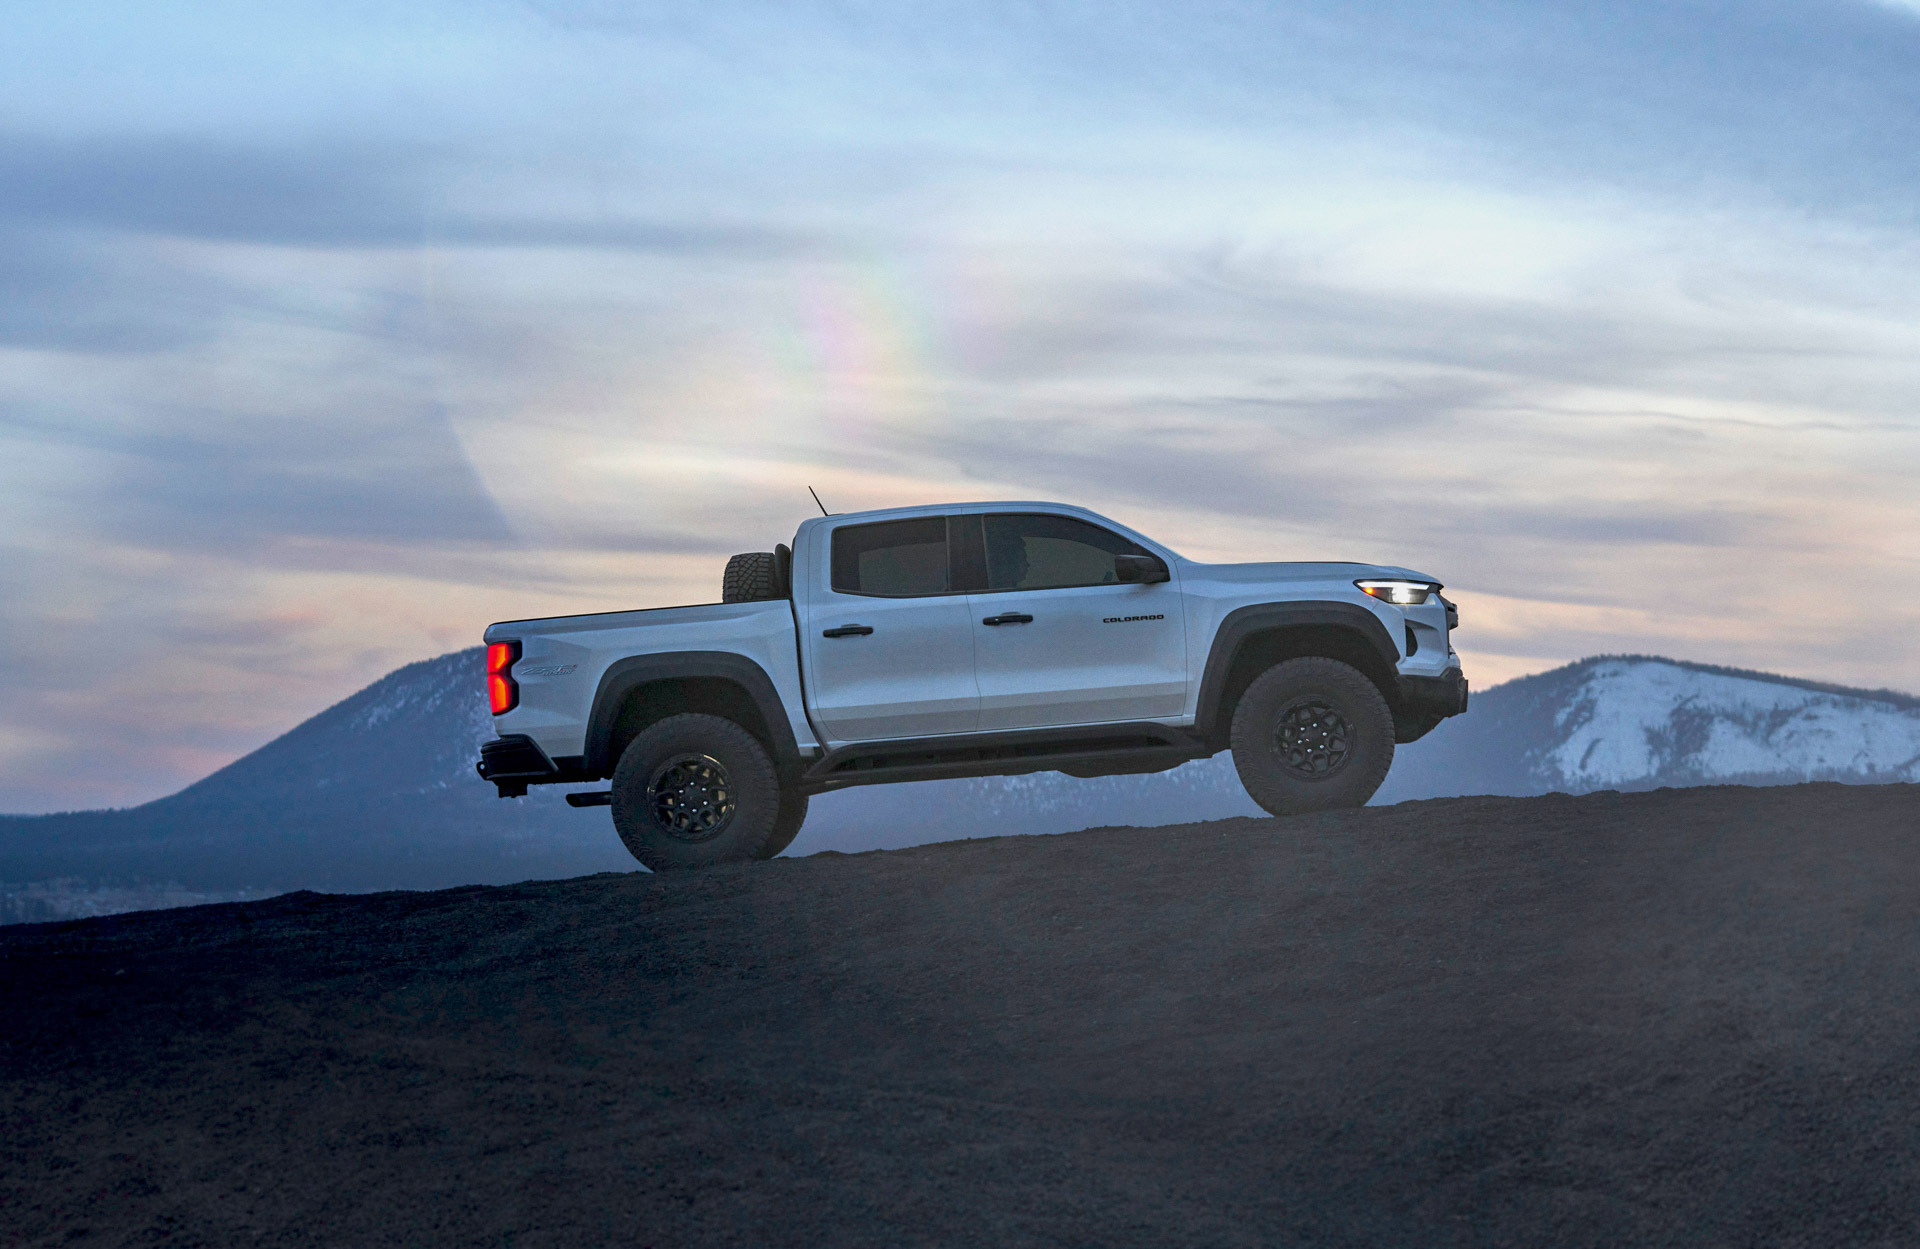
1243, 623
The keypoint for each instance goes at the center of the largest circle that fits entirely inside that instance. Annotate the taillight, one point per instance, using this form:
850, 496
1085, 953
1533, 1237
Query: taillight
503, 695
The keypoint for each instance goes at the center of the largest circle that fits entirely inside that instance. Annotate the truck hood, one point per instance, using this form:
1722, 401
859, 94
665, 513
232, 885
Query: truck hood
1302, 571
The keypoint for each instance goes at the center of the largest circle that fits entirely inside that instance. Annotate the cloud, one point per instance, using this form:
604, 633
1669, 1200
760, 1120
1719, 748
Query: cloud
317, 195
66, 293
329, 195
406, 484
1806, 104
405, 481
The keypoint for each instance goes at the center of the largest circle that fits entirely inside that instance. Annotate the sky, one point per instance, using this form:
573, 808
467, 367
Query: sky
334, 331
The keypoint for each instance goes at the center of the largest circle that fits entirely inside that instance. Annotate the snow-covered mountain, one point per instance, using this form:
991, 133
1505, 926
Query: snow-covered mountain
378, 792
1641, 723
1635, 722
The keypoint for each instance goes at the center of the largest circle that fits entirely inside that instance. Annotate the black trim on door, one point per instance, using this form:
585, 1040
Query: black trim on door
967, 553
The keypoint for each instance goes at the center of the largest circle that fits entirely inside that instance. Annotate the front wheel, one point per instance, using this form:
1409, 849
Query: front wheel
695, 791
786, 825
1311, 734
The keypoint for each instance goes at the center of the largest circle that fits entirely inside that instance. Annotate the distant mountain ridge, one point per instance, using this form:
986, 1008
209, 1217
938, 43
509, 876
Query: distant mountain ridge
378, 791
1637, 722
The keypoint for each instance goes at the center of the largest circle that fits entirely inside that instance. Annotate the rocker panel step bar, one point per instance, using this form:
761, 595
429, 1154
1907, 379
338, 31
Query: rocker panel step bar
1149, 745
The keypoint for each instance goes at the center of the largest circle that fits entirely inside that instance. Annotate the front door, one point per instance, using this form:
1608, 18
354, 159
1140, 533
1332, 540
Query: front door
1058, 639
889, 642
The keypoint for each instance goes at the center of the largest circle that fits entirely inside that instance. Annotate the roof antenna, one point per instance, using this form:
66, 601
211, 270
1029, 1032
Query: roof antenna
817, 503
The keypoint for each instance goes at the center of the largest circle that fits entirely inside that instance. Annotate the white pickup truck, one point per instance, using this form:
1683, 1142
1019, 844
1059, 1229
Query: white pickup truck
975, 639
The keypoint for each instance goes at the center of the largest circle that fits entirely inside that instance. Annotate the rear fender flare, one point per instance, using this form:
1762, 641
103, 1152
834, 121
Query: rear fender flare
625, 676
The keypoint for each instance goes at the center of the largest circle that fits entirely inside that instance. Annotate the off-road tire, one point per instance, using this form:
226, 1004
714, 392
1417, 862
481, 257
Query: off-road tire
694, 791
1311, 734
786, 825
751, 578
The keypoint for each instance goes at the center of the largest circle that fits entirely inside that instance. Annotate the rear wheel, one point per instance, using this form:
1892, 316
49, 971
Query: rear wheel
694, 791
1311, 734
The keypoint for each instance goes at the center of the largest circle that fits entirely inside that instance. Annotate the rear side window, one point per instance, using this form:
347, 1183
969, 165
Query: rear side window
1034, 551
893, 559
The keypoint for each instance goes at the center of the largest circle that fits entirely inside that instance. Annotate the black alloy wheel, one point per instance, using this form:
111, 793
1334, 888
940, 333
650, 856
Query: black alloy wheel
1314, 740
692, 798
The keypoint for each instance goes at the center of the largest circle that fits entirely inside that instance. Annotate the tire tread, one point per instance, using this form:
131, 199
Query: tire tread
752, 577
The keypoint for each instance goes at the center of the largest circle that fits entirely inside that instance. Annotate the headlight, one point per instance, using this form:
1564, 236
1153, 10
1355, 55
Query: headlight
1400, 593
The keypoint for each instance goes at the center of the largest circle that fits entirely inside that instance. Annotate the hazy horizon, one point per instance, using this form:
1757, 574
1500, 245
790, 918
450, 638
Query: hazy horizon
336, 332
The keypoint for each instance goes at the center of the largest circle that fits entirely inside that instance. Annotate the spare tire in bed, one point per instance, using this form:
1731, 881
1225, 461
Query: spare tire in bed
755, 577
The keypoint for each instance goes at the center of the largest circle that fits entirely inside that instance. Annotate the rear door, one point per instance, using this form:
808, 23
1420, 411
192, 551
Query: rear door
1058, 639
888, 640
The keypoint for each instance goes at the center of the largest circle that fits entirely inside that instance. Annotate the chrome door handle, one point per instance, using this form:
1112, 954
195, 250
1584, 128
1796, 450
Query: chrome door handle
1012, 617
847, 631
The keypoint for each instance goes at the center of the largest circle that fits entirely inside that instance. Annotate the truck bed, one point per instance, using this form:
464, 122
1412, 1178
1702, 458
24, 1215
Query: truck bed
563, 660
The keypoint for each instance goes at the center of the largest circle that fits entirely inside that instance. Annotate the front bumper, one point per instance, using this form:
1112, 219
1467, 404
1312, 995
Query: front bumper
1441, 696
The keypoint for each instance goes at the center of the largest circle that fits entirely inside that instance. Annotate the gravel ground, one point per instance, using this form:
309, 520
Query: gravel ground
1683, 1017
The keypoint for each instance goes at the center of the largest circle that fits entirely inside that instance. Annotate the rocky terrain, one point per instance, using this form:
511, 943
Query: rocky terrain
1669, 1018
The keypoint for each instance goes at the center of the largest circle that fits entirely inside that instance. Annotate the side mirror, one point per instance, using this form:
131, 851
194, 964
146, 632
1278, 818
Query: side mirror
1140, 569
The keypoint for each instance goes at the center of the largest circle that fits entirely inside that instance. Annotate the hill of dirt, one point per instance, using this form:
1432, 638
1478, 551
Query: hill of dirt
1679, 1017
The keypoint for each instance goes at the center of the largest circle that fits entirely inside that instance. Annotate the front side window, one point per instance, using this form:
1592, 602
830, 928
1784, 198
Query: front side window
1035, 551
892, 559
